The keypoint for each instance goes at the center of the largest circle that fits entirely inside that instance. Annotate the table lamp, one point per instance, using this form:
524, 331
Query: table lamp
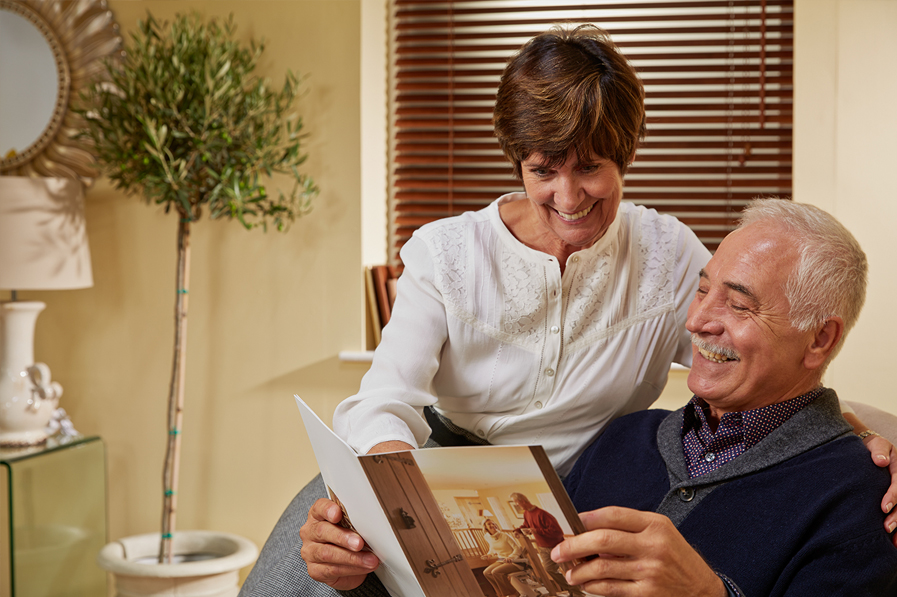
43, 246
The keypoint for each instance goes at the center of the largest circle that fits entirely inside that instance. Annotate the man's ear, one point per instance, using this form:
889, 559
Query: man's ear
824, 341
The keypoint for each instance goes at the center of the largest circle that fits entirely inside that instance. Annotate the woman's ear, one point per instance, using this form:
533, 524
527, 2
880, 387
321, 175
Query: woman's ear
824, 341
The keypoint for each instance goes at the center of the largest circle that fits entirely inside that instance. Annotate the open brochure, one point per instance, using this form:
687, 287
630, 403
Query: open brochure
422, 512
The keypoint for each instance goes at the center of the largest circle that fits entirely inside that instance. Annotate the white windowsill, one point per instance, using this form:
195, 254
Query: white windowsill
356, 356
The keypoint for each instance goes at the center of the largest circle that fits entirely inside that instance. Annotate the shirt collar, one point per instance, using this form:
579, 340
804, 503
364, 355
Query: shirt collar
753, 424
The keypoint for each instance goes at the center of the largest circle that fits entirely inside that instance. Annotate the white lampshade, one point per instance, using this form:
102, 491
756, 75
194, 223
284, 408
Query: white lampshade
43, 238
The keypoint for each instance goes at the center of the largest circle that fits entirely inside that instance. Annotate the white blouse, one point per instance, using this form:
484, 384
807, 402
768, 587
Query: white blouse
490, 332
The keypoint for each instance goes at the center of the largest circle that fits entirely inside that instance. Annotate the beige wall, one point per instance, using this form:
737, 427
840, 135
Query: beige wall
268, 312
373, 132
845, 156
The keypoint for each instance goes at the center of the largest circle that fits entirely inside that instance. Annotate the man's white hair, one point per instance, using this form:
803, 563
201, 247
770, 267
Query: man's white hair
830, 276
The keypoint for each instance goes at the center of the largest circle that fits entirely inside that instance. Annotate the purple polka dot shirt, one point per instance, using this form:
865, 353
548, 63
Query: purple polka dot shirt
706, 451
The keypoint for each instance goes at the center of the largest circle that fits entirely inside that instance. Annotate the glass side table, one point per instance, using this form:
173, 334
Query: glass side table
53, 519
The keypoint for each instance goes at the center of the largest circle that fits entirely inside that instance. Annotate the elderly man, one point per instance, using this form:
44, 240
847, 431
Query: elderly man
757, 486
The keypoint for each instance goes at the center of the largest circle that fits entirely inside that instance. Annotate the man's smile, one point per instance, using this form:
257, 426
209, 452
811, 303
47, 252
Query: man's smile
716, 354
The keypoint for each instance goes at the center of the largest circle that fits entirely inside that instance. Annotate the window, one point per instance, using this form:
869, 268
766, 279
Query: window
718, 81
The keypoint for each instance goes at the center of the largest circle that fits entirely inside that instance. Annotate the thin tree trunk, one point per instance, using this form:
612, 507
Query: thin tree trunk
176, 394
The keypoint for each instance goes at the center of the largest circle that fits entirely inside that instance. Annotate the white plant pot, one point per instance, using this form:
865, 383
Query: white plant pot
132, 562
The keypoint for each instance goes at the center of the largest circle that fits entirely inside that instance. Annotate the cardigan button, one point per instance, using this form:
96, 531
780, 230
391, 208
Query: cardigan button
687, 494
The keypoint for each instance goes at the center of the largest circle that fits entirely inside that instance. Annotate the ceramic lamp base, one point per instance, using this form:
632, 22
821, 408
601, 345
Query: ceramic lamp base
27, 397
22, 439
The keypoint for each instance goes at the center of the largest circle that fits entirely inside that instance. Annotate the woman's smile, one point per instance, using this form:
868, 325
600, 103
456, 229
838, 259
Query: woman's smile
573, 204
574, 217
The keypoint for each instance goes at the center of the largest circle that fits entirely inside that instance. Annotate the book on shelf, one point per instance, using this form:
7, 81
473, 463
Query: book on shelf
384, 277
422, 512
373, 305
380, 283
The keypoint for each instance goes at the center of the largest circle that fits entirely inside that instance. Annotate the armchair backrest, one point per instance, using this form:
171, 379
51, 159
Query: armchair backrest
880, 421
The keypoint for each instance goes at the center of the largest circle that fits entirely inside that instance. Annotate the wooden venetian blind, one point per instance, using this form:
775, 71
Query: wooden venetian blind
718, 82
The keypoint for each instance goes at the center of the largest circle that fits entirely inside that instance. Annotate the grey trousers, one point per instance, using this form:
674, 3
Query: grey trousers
280, 570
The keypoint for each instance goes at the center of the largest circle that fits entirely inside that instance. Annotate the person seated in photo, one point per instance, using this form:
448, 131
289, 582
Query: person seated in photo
757, 486
504, 574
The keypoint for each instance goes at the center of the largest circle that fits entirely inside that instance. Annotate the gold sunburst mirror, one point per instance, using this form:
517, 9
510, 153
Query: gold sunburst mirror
49, 51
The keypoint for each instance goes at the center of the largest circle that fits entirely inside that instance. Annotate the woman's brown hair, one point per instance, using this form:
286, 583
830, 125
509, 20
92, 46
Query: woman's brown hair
569, 89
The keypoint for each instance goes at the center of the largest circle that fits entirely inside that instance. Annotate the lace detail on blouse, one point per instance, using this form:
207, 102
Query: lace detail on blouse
599, 304
657, 267
523, 287
588, 289
598, 298
451, 263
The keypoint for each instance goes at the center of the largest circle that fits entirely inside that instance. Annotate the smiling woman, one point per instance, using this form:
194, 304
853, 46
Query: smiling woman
568, 117
542, 317
527, 304
570, 207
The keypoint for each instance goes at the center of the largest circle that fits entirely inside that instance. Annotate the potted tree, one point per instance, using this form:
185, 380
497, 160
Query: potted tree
183, 121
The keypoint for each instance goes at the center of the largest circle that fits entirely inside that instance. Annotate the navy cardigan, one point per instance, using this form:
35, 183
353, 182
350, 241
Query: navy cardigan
798, 514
